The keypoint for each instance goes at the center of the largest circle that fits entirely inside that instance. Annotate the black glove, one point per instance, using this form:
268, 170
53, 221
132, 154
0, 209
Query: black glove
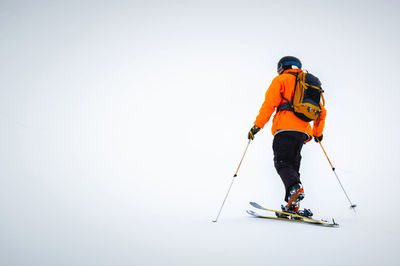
318, 139
253, 131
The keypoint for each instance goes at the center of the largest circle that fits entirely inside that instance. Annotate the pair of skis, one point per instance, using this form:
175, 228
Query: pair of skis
293, 217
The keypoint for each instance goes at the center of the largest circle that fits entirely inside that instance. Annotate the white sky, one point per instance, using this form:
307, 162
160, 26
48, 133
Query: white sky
122, 122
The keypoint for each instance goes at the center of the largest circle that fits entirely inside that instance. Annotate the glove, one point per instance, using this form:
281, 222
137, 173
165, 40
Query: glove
318, 139
253, 131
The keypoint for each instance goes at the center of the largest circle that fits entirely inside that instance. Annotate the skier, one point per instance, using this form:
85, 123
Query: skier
290, 132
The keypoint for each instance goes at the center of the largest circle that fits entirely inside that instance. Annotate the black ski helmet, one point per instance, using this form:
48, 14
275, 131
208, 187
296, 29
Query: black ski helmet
287, 62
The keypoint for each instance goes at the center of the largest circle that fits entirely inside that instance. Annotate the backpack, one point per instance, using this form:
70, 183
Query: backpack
306, 98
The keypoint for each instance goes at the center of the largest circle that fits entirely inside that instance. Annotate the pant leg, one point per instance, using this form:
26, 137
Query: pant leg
287, 147
297, 160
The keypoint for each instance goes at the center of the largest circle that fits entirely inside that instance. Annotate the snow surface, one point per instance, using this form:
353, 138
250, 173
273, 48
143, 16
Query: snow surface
122, 124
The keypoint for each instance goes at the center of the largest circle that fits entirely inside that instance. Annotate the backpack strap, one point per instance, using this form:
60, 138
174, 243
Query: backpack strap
287, 106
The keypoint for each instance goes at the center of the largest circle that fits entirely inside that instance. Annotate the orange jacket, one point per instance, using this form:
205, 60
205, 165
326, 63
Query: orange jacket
286, 120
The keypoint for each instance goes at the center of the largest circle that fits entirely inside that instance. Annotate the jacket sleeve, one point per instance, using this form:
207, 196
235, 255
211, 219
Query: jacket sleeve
272, 100
319, 124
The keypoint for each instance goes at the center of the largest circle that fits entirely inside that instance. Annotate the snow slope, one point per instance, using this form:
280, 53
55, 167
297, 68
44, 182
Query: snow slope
122, 124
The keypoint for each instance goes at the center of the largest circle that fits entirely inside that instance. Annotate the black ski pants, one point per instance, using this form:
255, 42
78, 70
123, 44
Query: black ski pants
287, 147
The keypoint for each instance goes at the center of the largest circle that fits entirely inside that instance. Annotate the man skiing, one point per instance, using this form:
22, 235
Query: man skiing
290, 132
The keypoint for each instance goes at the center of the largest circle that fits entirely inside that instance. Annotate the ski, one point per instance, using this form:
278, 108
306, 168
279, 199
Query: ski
302, 218
254, 214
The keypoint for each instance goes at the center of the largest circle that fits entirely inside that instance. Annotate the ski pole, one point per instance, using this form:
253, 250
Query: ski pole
352, 206
233, 179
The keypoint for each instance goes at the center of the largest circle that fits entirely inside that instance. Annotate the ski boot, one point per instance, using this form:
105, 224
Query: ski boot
285, 209
296, 194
